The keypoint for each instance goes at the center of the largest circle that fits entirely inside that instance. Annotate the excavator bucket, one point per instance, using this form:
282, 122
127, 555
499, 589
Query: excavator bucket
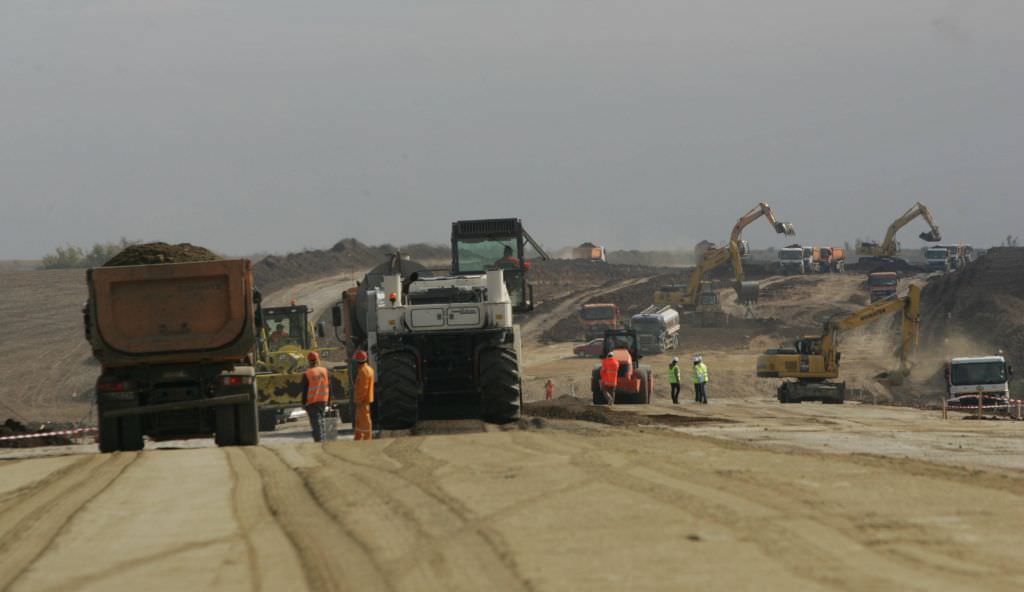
784, 228
930, 236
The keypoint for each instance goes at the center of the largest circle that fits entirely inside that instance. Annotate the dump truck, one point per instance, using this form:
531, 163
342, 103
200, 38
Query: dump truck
813, 361
444, 343
287, 338
791, 260
984, 379
636, 381
598, 317
882, 285
828, 259
176, 343
589, 252
657, 329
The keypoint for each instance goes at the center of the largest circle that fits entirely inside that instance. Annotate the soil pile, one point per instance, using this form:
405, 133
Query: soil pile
983, 302
152, 253
278, 271
13, 427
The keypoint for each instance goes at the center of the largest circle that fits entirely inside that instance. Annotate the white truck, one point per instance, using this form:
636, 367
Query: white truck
657, 329
791, 260
984, 378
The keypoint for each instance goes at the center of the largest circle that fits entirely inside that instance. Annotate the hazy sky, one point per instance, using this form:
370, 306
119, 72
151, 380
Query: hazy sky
250, 125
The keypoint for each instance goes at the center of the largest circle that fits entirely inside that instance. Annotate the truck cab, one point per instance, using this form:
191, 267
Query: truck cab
882, 285
656, 328
984, 378
598, 317
791, 260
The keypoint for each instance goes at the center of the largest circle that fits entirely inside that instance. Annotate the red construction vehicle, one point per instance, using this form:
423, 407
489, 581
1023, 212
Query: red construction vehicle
598, 318
636, 382
882, 285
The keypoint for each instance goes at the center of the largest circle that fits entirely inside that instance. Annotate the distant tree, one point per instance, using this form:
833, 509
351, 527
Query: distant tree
72, 257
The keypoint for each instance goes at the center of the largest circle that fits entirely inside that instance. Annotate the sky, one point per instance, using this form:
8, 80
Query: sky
253, 126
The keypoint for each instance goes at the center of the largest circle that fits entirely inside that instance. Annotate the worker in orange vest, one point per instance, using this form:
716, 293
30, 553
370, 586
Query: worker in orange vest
609, 377
316, 394
549, 390
364, 396
508, 260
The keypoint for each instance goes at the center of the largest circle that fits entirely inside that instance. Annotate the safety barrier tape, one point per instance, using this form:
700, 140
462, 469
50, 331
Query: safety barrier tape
46, 434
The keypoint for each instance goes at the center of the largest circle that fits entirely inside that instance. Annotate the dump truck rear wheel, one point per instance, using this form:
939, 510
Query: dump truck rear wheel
398, 391
224, 425
500, 385
110, 434
130, 429
247, 423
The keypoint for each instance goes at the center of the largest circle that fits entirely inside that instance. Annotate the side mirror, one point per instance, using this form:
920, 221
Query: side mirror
336, 316
320, 332
1009, 370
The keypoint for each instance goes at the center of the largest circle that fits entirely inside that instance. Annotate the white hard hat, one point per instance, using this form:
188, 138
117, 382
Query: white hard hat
675, 359
696, 359
610, 355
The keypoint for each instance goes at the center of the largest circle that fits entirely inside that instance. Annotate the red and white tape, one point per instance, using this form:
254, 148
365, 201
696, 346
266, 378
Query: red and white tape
46, 434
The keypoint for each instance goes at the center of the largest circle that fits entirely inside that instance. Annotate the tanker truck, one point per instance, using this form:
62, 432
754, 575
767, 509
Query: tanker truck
657, 329
176, 344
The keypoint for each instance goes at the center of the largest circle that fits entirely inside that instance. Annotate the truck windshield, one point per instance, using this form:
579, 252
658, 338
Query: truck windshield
882, 281
479, 255
978, 373
285, 328
646, 326
791, 255
935, 254
604, 313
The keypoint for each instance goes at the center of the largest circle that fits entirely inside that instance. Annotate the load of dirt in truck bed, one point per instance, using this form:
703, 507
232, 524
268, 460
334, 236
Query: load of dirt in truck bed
278, 271
152, 253
983, 302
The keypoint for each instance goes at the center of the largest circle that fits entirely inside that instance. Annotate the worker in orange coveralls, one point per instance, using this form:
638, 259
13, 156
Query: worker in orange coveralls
364, 396
549, 390
609, 377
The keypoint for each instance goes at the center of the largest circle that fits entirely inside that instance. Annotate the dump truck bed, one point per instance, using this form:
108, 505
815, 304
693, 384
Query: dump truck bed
172, 312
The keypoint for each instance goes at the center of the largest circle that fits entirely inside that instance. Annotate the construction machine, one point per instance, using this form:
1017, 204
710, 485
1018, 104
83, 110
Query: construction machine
657, 328
636, 381
873, 252
287, 338
590, 252
598, 317
698, 301
813, 361
445, 346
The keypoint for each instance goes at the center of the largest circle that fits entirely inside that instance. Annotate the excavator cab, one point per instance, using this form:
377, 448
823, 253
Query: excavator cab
499, 243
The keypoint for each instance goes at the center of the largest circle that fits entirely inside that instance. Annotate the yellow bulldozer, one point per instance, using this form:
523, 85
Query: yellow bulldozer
286, 338
813, 361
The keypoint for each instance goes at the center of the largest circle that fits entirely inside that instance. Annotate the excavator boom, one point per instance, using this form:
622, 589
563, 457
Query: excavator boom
889, 246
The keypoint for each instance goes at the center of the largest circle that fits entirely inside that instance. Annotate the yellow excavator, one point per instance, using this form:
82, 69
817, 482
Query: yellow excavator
888, 248
814, 360
697, 299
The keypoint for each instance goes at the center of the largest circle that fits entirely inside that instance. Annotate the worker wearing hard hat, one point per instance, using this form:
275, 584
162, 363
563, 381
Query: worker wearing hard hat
316, 394
700, 380
364, 396
609, 377
508, 260
674, 379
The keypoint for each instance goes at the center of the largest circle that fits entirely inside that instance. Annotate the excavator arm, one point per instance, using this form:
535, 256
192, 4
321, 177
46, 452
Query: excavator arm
909, 304
712, 259
888, 246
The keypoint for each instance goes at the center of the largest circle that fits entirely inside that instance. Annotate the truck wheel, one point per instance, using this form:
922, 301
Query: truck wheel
248, 433
131, 433
110, 433
398, 391
224, 425
268, 420
499, 385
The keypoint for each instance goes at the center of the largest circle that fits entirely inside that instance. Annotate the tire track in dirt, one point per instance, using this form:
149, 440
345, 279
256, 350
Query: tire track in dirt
274, 562
32, 520
332, 558
425, 540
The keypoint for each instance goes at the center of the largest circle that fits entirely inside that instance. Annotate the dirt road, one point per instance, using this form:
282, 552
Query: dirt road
571, 506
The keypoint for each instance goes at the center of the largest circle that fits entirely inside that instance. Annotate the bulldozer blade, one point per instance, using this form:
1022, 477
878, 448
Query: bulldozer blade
931, 237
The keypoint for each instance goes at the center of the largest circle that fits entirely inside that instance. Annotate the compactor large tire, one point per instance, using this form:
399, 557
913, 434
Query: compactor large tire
500, 385
398, 391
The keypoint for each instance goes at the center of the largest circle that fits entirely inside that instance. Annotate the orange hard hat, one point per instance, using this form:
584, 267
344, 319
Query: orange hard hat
360, 356
313, 356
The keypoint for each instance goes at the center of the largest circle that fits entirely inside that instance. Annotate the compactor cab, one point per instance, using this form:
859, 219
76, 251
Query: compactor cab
500, 243
636, 381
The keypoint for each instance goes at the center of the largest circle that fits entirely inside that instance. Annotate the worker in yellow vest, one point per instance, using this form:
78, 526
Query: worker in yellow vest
316, 394
700, 380
364, 396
